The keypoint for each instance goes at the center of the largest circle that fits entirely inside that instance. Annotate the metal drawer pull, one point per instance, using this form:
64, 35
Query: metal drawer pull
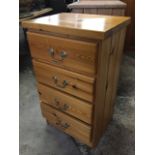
59, 122
51, 52
64, 83
65, 107
63, 55
56, 101
65, 126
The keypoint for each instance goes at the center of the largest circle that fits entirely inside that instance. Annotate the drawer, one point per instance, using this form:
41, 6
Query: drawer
66, 81
75, 55
66, 103
68, 124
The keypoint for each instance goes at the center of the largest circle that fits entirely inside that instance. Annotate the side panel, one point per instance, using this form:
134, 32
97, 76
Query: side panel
108, 71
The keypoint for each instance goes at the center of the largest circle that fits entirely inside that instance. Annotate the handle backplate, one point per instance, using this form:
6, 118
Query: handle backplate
63, 85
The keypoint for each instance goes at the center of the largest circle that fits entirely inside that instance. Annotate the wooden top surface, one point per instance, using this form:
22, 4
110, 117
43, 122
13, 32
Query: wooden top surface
98, 4
82, 25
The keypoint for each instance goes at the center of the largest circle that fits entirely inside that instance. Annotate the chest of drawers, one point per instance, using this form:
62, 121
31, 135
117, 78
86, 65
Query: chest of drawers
76, 59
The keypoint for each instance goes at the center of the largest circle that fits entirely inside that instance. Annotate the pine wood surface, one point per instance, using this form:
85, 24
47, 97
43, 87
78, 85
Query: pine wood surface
97, 4
75, 128
76, 87
68, 104
83, 25
90, 91
79, 59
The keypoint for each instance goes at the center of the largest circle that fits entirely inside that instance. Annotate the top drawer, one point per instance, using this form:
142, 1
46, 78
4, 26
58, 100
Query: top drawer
75, 55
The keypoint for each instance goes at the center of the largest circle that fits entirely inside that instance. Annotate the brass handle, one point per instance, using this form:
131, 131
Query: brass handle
62, 108
64, 83
59, 122
51, 52
56, 102
65, 125
63, 55
65, 107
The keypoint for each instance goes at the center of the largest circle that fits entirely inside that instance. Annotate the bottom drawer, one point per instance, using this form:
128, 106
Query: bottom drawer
69, 125
66, 103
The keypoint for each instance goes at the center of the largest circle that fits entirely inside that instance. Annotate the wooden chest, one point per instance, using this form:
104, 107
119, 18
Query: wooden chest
76, 59
101, 7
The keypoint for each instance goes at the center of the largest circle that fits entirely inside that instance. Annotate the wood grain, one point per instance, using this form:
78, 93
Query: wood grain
76, 86
68, 104
130, 35
90, 10
83, 25
97, 4
99, 7
78, 94
118, 12
76, 128
107, 79
81, 59
80, 10
113, 73
101, 84
117, 64
104, 11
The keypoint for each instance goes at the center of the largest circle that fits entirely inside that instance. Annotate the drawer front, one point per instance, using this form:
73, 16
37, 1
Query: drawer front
72, 83
66, 103
69, 125
78, 56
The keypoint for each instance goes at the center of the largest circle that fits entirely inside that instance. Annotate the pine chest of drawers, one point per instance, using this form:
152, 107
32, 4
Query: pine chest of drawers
76, 59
